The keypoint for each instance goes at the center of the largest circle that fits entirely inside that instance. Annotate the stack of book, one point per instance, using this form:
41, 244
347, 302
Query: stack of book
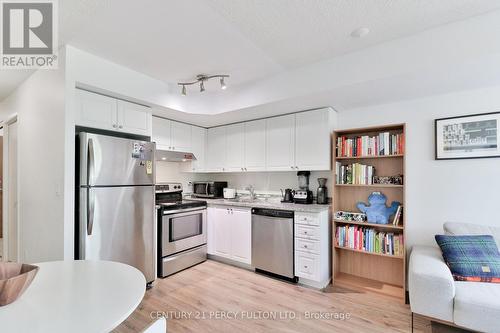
382, 145
356, 174
369, 240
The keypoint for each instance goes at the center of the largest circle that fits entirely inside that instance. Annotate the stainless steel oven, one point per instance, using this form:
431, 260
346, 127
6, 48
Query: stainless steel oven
208, 189
183, 229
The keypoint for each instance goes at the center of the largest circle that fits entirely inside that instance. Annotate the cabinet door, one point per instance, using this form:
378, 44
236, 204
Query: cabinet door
134, 118
198, 141
280, 143
312, 140
235, 147
255, 145
181, 137
222, 232
162, 133
216, 149
241, 235
96, 111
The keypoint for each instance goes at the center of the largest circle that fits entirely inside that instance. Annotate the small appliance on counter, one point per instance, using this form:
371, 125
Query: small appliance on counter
210, 190
322, 192
303, 195
229, 193
287, 195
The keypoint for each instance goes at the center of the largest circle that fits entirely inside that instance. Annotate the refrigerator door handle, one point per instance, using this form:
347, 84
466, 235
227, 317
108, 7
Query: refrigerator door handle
90, 213
91, 163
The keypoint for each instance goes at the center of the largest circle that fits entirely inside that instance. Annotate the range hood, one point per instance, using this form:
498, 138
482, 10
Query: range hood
174, 156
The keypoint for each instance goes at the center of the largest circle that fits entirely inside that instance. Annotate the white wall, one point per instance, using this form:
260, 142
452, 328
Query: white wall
439, 191
39, 104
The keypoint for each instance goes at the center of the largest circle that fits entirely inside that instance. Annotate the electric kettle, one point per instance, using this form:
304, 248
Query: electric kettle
288, 195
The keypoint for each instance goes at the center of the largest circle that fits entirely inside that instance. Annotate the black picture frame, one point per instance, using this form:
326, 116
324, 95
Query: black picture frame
437, 124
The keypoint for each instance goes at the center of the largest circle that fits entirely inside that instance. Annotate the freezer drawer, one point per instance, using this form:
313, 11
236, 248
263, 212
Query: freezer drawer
118, 224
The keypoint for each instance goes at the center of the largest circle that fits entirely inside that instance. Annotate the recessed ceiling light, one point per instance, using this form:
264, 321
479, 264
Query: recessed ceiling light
360, 32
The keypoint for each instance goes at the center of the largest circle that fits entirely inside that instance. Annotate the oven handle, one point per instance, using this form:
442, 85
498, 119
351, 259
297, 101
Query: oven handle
170, 212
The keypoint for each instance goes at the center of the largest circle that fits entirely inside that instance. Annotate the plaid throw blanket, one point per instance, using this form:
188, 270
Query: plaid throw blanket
471, 258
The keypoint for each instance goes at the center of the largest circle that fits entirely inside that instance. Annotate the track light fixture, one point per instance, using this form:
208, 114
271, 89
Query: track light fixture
201, 78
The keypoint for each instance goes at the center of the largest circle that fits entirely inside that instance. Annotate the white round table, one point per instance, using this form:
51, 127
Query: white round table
75, 296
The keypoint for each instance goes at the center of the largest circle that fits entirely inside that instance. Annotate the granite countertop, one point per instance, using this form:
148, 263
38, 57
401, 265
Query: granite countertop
260, 203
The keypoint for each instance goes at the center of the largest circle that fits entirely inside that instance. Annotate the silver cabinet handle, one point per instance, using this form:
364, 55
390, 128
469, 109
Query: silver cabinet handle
305, 246
292, 167
90, 213
305, 266
241, 169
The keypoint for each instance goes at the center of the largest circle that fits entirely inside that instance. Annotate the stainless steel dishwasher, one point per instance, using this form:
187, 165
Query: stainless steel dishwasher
272, 242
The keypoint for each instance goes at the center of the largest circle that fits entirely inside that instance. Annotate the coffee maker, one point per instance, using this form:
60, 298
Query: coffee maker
303, 195
322, 192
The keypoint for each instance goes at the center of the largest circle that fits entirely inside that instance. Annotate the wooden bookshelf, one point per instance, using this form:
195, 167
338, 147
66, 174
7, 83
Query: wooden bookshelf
357, 269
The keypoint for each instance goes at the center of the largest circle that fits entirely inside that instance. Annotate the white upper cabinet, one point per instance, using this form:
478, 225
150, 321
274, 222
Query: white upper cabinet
312, 140
255, 145
216, 149
181, 137
235, 147
198, 141
134, 118
162, 133
103, 112
280, 143
96, 111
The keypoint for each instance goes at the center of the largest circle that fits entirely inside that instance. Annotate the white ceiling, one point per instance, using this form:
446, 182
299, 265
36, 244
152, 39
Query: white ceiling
252, 41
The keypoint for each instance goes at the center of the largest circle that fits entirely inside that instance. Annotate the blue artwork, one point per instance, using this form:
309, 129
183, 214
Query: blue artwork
377, 212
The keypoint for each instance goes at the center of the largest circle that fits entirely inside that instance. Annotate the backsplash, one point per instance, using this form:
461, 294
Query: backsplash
263, 182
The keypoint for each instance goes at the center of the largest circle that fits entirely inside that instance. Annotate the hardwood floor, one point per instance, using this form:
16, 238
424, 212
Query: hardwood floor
197, 299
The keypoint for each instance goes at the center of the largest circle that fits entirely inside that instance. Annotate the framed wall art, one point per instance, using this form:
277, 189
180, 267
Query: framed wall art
472, 136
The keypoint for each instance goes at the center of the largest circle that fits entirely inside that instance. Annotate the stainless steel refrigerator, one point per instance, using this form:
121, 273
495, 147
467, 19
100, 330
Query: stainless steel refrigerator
116, 210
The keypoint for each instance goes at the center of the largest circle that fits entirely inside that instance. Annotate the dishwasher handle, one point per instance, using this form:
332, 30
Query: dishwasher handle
286, 214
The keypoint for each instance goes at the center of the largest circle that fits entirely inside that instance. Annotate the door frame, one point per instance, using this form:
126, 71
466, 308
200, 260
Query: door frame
5, 188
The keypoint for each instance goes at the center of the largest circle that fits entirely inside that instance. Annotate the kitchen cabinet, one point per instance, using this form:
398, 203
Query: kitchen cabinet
172, 135
162, 133
230, 233
222, 232
216, 149
280, 143
235, 148
181, 136
198, 142
255, 145
312, 140
107, 113
312, 248
134, 118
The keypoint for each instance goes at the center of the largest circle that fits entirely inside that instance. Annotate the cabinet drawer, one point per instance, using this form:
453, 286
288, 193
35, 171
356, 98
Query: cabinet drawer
308, 232
305, 245
306, 219
307, 265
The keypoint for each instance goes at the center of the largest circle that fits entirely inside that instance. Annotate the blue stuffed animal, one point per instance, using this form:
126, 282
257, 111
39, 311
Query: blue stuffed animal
377, 212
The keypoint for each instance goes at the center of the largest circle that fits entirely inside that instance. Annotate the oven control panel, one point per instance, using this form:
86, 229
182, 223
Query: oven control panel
168, 187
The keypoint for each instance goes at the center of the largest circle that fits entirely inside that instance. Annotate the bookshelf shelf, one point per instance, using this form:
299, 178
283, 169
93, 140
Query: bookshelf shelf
369, 157
370, 253
371, 225
371, 185
358, 269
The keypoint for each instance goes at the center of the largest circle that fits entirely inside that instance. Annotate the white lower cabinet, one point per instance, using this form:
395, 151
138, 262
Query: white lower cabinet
312, 249
230, 233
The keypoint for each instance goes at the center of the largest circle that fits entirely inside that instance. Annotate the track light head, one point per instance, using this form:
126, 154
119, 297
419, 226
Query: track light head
222, 84
202, 86
183, 90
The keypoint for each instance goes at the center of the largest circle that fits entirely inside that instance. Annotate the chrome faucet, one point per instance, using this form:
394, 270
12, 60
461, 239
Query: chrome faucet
251, 189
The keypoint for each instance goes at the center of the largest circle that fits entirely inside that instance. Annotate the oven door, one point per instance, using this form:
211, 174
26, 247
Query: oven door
183, 230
